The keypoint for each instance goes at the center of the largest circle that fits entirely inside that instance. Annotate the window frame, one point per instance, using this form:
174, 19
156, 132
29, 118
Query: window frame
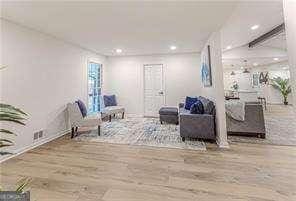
88, 88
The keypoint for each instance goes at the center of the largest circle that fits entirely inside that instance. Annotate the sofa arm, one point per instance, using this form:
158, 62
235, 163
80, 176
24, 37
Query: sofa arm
197, 126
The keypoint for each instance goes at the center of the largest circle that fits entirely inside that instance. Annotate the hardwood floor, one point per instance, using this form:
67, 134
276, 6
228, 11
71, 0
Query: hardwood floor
68, 170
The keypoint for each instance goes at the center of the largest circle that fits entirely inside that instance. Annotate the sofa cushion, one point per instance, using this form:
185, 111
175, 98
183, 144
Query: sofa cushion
112, 110
183, 111
110, 100
208, 105
82, 107
189, 101
197, 108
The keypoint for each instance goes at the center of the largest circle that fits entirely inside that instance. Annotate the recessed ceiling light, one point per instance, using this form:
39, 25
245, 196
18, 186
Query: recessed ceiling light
173, 47
255, 64
118, 51
254, 27
276, 59
228, 47
242, 67
285, 68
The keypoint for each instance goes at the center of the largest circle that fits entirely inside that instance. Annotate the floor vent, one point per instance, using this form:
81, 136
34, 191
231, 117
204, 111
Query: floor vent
38, 135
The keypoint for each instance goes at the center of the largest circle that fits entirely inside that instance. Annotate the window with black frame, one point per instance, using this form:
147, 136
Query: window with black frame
94, 87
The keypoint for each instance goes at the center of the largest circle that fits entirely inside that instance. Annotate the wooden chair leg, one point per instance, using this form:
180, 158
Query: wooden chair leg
265, 104
99, 130
123, 115
76, 129
72, 132
110, 118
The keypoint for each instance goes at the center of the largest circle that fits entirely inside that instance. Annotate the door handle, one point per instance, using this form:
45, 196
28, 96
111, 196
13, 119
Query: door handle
160, 93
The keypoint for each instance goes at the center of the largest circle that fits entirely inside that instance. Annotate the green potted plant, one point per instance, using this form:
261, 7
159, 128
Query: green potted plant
283, 86
9, 113
234, 86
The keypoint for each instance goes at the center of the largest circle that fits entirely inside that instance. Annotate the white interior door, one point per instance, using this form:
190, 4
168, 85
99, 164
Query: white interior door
154, 97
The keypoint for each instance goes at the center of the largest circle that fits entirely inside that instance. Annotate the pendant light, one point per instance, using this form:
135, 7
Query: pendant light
232, 72
246, 69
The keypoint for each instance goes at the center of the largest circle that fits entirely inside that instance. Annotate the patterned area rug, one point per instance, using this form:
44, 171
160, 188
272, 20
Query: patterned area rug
280, 124
141, 131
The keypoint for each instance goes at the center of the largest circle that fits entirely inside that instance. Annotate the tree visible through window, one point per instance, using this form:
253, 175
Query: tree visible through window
94, 87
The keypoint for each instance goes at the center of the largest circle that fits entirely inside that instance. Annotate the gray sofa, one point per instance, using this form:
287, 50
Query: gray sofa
253, 125
200, 126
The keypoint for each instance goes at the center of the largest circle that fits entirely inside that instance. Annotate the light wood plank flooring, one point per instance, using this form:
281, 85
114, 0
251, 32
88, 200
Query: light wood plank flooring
68, 170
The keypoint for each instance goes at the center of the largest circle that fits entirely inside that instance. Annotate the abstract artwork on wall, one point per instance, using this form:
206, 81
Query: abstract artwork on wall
263, 79
206, 71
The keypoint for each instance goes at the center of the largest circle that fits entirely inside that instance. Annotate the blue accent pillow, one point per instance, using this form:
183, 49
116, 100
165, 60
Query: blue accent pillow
82, 107
189, 101
197, 108
110, 100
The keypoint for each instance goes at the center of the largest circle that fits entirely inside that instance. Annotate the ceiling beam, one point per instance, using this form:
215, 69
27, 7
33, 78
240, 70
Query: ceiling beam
274, 32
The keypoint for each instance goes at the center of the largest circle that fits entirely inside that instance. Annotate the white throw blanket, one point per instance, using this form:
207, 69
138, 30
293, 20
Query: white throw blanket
235, 109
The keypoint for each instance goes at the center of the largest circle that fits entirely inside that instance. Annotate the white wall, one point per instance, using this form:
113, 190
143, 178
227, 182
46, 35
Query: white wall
290, 23
42, 76
216, 92
125, 79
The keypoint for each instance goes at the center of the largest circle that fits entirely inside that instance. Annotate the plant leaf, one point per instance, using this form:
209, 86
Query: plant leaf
5, 140
13, 116
12, 108
5, 145
22, 184
7, 132
2, 153
13, 120
2, 67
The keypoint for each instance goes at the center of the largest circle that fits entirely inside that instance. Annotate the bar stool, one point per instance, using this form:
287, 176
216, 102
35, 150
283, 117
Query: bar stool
263, 101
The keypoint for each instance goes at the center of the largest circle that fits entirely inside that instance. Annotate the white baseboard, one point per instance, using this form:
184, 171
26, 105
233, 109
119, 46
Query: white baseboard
223, 145
34, 145
134, 115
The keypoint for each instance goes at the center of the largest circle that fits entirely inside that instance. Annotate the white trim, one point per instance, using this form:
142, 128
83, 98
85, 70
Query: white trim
134, 115
223, 145
34, 145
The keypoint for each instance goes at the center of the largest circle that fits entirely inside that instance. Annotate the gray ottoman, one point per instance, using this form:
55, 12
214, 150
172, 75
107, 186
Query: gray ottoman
169, 115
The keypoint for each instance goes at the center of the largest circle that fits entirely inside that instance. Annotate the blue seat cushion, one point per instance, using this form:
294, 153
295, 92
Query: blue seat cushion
110, 100
197, 108
189, 101
82, 107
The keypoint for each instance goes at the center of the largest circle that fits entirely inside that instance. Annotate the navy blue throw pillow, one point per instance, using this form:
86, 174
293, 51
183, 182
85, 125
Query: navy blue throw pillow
82, 107
197, 108
110, 100
189, 101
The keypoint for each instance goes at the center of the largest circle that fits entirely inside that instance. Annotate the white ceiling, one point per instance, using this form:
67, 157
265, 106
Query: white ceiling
138, 28
262, 55
278, 41
141, 28
237, 32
